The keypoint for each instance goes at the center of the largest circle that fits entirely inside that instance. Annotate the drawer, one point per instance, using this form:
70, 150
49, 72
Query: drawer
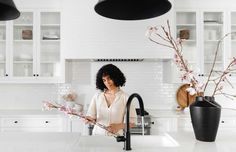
227, 123
185, 124
163, 125
31, 122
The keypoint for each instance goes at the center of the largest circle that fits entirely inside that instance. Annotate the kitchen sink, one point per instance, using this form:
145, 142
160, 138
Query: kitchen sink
148, 141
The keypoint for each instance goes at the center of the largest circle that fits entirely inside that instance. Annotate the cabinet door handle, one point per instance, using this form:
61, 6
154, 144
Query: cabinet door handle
15, 121
34, 75
222, 121
152, 122
6, 75
46, 121
37, 75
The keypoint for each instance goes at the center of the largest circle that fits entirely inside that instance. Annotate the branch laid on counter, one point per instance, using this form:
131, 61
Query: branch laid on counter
70, 111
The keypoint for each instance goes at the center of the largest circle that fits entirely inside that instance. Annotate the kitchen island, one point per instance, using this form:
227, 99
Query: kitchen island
73, 142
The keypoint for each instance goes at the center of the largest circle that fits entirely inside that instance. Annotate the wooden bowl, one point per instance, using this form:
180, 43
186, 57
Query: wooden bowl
184, 99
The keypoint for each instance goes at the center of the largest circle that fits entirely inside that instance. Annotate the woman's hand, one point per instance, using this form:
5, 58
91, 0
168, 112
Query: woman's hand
89, 120
114, 128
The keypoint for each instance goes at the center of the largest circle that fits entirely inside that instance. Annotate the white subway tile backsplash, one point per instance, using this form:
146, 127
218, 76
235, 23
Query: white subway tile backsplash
144, 78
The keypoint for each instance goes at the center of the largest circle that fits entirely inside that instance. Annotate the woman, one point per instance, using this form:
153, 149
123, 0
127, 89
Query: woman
108, 107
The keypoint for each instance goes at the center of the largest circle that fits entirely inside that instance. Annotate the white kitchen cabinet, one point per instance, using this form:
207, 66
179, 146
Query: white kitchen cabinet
30, 49
184, 124
163, 125
3, 45
77, 125
227, 123
205, 28
33, 124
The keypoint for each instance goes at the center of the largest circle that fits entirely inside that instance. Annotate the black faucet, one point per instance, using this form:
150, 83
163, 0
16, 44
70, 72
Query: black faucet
126, 137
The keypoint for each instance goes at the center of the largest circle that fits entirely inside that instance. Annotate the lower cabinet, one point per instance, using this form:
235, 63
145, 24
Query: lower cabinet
184, 124
77, 125
33, 124
160, 125
227, 123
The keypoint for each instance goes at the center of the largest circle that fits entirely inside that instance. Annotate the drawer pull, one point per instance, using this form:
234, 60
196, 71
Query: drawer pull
46, 121
222, 121
15, 121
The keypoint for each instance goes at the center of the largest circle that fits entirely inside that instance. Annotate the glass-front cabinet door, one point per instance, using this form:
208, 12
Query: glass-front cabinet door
233, 41
23, 45
213, 30
186, 28
2, 49
49, 61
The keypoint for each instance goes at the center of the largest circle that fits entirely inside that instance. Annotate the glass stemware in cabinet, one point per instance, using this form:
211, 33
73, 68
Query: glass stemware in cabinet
213, 31
23, 45
50, 44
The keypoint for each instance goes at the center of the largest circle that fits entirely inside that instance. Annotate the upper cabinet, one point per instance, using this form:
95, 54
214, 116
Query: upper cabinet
30, 48
3, 51
213, 29
201, 31
50, 40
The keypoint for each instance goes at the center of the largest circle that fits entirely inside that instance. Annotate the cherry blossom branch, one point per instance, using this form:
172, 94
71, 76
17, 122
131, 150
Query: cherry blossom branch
176, 45
225, 72
48, 106
214, 61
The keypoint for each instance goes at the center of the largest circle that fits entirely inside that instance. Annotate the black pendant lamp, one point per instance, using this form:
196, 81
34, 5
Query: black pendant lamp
132, 9
8, 10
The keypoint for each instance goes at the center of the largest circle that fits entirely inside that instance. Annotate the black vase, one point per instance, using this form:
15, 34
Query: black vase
205, 118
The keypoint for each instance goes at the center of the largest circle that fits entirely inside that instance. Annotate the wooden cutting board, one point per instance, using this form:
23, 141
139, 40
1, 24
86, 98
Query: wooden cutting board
184, 99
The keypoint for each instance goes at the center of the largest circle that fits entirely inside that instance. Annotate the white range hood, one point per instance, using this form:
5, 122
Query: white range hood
85, 34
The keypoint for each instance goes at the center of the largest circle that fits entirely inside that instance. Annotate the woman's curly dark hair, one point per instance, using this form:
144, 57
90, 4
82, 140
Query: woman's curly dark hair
115, 74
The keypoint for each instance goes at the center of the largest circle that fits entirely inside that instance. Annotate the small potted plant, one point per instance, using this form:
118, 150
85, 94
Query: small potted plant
205, 112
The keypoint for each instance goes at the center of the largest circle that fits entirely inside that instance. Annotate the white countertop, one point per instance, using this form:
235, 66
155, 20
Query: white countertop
73, 142
185, 113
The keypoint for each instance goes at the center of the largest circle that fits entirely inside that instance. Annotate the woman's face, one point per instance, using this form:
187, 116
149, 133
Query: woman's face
108, 82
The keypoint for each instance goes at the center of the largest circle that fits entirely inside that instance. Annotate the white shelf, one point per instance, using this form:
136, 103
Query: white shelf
51, 25
49, 62
2, 62
23, 62
209, 41
49, 41
23, 25
18, 41
209, 24
186, 25
210, 62
190, 41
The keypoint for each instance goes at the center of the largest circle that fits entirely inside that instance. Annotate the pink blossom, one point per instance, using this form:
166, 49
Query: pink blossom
191, 91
